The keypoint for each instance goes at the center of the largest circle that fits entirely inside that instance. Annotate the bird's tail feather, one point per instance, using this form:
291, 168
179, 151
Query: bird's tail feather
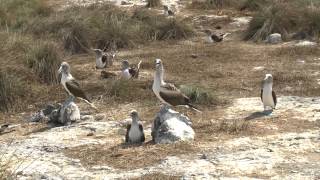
138, 67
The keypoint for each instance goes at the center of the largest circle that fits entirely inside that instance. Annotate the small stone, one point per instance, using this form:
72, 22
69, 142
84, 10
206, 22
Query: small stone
194, 56
274, 38
90, 134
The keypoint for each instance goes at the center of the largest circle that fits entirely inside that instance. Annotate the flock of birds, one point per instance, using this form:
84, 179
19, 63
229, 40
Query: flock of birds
167, 93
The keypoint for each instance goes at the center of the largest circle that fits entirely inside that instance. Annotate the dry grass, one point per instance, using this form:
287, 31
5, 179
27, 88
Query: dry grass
284, 18
153, 3
44, 60
157, 176
214, 4
128, 157
11, 91
234, 126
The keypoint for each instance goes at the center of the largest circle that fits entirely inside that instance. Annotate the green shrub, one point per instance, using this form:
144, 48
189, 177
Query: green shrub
200, 96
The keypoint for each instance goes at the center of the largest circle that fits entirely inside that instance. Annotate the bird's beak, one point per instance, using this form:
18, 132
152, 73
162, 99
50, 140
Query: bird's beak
60, 70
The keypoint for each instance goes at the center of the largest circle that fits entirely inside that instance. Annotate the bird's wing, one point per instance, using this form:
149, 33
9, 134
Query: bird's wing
127, 134
133, 72
170, 87
216, 38
104, 58
261, 94
173, 97
274, 98
141, 129
59, 77
74, 88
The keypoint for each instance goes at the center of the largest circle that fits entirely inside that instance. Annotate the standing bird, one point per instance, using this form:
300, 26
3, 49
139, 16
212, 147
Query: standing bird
101, 58
71, 85
167, 11
268, 96
128, 72
211, 37
135, 132
167, 93
104, 58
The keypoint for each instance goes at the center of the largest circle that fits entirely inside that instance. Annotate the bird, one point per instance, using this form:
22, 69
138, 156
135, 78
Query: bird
167, 11
167, 93
211, 37
104, 58
71, 85
268, 96
101, 58
128, 72
135, 132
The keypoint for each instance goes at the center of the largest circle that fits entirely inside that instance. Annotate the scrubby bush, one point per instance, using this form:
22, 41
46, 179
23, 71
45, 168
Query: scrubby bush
284, 18
15, 14
200, 96
11, 90
44, 60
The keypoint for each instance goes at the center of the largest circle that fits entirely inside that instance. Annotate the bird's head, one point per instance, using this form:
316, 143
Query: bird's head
64, 68
98, 52
125, 64
166, 8
159, 65
268, 78
134, 115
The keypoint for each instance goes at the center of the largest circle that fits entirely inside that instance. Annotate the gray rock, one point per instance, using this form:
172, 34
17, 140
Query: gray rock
170, 126
274, 38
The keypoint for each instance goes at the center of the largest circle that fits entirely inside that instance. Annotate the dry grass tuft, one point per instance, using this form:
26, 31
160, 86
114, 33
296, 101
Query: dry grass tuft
234, 126
254, 5
15, 14
284, 18
200, 96
128, 157
44, 60
158, 176
11, 89
129, 90
214, 4
153, 3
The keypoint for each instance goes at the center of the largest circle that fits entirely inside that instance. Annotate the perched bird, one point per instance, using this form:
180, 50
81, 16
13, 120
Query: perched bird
167, 93
167, 11
268, 96
71, 85
135, 132
101, 58
211, 37
128, 72
104, 58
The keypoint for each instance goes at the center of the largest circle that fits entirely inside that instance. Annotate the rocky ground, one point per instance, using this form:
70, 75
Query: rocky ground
243, 141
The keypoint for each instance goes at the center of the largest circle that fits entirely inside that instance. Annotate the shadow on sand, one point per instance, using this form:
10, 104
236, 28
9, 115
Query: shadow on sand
258, 114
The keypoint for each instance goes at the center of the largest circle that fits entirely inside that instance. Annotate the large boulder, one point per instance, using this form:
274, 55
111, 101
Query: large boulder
274, 38
170, 126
